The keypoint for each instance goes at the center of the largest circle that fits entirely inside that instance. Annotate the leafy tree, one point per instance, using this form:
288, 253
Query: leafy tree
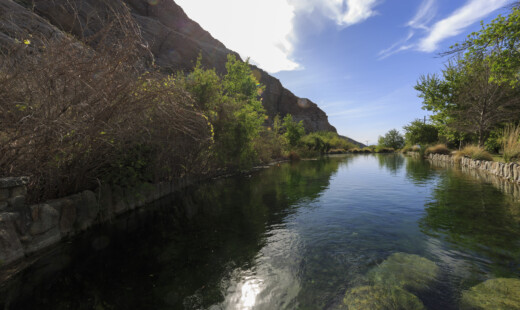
234, 109
499, 41
418, 132
466, 101
294, 131
392, 139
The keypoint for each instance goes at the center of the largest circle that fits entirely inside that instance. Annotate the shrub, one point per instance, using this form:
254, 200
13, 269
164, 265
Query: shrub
474, 152
510, 143
72, 116
437, 149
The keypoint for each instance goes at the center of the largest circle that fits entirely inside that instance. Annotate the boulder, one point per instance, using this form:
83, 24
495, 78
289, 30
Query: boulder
381, 298
408, 271
11, 248
494, 294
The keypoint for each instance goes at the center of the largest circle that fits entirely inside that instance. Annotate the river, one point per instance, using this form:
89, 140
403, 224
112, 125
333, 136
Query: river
293, 236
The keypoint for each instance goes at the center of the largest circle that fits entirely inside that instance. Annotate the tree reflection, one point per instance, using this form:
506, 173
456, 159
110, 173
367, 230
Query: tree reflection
179, 254
419, 171
392, 162
473, 216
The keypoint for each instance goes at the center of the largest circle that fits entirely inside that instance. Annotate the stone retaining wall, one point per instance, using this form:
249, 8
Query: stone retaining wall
26, 229
509, 171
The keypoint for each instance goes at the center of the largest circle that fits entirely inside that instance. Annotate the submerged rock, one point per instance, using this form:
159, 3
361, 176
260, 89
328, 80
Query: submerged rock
408, 271
381, 298
493, 294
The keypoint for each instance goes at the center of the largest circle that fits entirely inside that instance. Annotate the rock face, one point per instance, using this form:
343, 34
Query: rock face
176, 41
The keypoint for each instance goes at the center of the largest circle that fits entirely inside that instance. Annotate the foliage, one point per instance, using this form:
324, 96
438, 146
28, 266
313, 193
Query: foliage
323, 141
294, 131
418, 132
437, 149
493, 143
499, 41
234, 111
511, 143
474, 152
464, 101
392, 139
72, 117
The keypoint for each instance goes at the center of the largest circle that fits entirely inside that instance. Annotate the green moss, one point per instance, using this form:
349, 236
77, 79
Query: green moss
381, 298
408, 271
496, 294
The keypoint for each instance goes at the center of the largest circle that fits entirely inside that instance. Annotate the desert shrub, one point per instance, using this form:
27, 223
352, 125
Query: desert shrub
511, 143
474, 152
72, 116
437, 149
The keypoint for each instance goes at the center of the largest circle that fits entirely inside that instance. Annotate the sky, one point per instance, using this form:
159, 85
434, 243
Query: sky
357, 59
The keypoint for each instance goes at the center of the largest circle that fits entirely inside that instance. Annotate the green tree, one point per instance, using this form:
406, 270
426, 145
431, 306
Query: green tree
418, 132
233, 107
294, 131
499, 41
392, 139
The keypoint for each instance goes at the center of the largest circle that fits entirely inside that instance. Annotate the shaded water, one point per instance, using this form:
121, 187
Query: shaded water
296, 236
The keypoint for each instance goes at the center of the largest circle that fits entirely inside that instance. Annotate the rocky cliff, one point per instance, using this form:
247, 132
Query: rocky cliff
175, 41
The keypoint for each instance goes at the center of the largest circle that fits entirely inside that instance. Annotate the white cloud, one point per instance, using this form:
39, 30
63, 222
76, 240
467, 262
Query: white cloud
343, 12
264, 30
473, 11
470, 13
424, 15
397, 47
261, 30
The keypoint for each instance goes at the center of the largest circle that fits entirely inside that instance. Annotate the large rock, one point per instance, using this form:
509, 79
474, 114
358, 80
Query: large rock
408, 271
381, 298
44, 219
494, 294
10, 244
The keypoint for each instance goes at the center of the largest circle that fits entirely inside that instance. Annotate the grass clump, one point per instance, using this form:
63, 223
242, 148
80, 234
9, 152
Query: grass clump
492, 294
437, 149
510, 143
474, 152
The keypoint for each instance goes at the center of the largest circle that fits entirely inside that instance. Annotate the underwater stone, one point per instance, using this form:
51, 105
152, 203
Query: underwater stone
408, 271
381, 298
493, 294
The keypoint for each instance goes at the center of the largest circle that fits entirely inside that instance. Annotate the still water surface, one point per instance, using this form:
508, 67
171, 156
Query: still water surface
294, 236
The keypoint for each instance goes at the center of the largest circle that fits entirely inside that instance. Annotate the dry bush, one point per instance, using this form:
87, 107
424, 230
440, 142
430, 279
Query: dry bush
72, 116
438, 149
511, 143
473, 152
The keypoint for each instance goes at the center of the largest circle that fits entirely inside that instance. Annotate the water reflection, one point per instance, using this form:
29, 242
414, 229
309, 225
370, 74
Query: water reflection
419, 171
295, 236
392, 162
211, 246
475, 216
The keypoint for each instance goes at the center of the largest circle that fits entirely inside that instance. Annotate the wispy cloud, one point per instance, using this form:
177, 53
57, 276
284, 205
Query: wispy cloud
397, 47
424, 15
430, 36
455, 24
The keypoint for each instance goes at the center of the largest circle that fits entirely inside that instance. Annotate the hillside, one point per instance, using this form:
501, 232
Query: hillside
175, 41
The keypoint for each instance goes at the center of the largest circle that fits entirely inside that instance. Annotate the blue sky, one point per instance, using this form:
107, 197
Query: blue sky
357, 59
